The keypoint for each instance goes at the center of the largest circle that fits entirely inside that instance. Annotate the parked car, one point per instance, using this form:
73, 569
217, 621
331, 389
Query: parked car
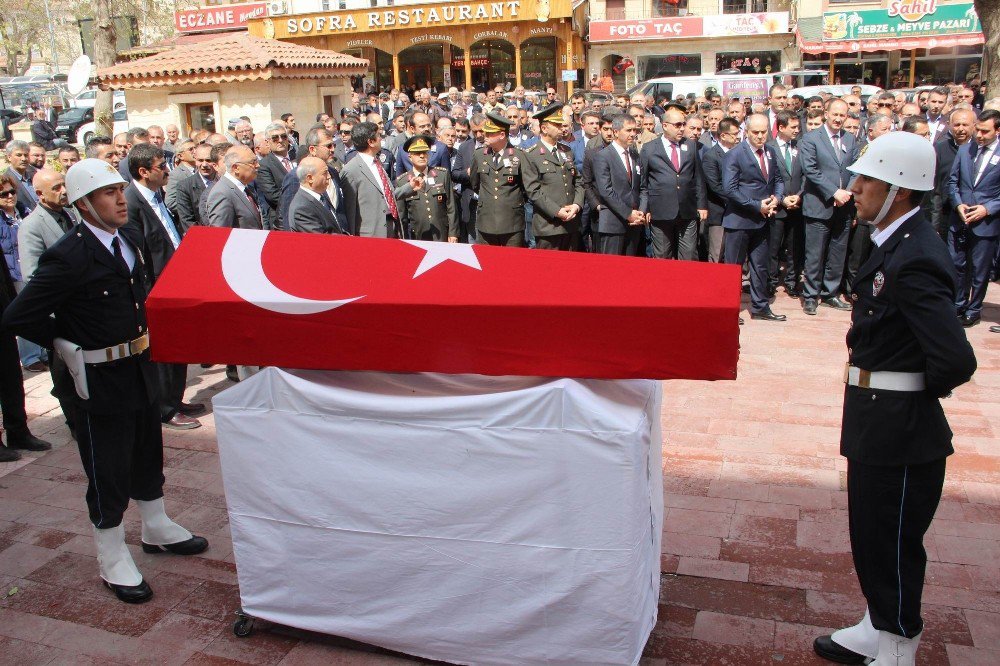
70, 120
87, 131
837, 90
87, 98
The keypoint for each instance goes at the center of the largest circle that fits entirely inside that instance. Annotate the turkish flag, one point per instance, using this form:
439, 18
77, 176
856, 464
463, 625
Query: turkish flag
295, 300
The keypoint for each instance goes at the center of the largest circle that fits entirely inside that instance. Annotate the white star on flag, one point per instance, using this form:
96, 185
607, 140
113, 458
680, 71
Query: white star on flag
438, 253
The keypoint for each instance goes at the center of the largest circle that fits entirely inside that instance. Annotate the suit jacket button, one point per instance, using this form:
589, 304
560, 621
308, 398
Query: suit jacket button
854, 297
140, 329
105, 293
871, 312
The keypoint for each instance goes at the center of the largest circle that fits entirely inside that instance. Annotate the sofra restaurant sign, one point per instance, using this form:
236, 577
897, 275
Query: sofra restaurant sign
427, 16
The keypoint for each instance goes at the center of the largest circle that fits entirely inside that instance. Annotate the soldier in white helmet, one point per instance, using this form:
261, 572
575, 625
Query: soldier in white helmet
906, 351
92, 281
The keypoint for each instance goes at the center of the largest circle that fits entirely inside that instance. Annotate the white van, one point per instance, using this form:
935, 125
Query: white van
727, 85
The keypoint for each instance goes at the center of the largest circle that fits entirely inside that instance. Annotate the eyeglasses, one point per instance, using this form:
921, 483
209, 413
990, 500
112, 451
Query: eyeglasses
345, 132
279, 137
885, 105
7, 193
328, 146
677, 125
252, 165
162, 166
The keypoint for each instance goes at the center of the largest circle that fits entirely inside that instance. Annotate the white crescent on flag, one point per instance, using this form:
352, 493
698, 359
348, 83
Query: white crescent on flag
243, 271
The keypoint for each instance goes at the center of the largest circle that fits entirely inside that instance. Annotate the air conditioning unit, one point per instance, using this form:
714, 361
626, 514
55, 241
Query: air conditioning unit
277, 8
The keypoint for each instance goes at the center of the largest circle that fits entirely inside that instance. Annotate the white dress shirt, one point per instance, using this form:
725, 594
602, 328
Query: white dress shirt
880, 237
106, 239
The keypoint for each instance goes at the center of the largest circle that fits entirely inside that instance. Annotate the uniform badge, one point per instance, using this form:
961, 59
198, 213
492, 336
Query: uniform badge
382, 158
506, 162
440, 198
878, 283
510, 180
430, 180
515, 161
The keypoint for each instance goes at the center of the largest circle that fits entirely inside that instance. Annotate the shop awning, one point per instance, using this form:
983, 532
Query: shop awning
809, 34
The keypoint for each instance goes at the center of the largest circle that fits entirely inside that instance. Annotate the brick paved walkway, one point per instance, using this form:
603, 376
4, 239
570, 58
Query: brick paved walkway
756, 559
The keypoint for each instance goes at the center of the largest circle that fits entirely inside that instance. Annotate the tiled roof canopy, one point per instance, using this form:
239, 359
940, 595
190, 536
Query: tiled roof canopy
233, 57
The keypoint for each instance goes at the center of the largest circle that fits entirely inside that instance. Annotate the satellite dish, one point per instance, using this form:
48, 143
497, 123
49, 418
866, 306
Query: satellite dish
79, 75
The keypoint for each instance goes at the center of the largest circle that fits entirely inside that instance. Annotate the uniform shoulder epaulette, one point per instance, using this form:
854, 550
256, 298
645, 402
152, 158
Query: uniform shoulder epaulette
562, 145
531, 148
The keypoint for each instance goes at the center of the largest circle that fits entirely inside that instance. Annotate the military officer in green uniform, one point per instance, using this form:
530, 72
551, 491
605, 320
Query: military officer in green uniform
495, 175
553, 185
425, 197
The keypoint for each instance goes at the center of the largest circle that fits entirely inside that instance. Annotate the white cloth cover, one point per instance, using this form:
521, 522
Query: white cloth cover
470, 519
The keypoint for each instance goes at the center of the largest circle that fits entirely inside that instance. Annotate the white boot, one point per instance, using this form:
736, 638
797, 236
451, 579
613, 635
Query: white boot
113, 558
861, 638
157, 529
894, 650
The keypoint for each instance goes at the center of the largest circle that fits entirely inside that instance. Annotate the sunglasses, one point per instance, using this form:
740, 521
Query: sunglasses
7, 193
279, 137
677, 125
885, 105
328, 146
345, 132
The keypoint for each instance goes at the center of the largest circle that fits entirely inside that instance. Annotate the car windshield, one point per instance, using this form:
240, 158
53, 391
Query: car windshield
72, 115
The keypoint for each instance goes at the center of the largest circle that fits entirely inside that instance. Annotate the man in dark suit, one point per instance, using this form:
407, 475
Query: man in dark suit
672, 190
311, 210
974, 230
318, 143
713, 159
617, 180
754, 189
460, 174
149, 217
89, 290
824, 154
906, 351
44, 132
961, 127
231, 202
937, 123
589, 225
188, 192
786, 225
17, 160
134, 137
273, 169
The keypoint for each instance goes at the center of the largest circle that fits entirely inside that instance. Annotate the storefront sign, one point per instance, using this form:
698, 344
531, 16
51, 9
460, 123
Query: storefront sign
422, 17
476, 62
420, 39
213, 19
727, 25
747, 87
916, 18
569, 75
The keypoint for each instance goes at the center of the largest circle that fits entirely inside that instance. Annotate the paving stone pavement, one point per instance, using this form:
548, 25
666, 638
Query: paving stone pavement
755, 561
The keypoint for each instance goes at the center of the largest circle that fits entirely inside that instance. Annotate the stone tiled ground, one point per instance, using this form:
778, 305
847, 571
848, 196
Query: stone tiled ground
755, 557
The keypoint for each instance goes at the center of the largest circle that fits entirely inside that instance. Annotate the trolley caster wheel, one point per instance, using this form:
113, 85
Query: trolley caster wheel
243, 625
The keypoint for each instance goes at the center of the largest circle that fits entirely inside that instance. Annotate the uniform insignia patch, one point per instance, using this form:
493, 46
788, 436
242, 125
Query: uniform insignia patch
878, 283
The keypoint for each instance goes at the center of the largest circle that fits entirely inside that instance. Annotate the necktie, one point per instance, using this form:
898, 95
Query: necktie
774, 126
628, 165
675, 157
836, 146
387, 191
763, 162
496, 160
285, 163
117, 248
167, 219
788, 157
253, 202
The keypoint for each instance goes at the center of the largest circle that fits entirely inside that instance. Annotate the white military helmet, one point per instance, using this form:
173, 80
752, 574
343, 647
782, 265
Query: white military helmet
89, 175
901, 159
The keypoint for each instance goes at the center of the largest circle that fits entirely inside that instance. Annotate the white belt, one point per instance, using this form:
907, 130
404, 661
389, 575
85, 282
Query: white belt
884, 380
115, 352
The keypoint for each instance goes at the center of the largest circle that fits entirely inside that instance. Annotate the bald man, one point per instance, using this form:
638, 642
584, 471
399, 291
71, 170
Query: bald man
311, 210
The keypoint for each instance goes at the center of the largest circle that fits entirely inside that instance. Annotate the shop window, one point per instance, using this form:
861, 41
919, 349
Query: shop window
492, 64
749, 62
744, 6
684, 64
614, 9
666, 8
538, 63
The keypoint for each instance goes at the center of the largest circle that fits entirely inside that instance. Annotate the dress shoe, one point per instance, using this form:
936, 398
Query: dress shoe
37, 366
27, 442
132, 594
191, 408
809, 307
741, 321
192, 546
994, 329
206, 365
827, 648
8, 455
792, 290
181, 422
969, 322
231, 373
835, 303
767, 315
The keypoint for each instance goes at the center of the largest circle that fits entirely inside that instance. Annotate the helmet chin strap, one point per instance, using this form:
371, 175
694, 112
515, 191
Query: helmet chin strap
86, 202
890, 196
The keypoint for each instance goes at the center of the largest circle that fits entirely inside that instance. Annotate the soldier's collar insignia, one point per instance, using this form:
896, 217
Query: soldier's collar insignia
878, 283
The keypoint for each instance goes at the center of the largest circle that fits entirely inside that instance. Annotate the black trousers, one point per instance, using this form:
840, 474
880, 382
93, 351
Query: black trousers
751, 245
15, 419
675, 239
628, 244
890, 509
859, 247
563, 242
826, 251
513, 239
122, 455
786, 242
173, 379
63, 388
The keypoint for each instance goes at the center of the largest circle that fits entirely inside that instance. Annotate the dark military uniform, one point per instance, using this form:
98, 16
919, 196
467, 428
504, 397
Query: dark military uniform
496, 178
551, 182
896, 441
430, 213
98, 303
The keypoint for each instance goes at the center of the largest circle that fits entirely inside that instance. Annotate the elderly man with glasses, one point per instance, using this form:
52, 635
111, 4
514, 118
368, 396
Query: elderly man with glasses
273, 168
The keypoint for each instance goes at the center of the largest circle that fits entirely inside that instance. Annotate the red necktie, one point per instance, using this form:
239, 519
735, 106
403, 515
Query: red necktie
763, 162
387, 191
253, 202
628, 165
675, 157
774, 127
285, 163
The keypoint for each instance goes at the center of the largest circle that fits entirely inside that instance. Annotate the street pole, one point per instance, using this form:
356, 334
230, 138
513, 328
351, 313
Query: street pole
52, 38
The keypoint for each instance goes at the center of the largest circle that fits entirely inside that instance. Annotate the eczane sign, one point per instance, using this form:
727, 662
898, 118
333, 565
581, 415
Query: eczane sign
215, 19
